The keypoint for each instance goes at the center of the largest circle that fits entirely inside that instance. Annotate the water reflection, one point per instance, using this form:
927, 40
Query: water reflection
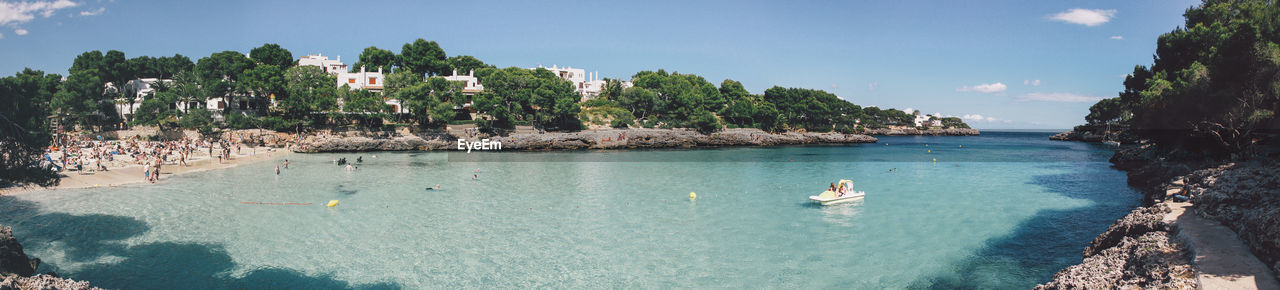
842, 214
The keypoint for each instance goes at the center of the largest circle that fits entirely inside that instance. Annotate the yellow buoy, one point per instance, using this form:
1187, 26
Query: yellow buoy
332, 203
926, 145
693, 195
961, 146
935, 160
930, 151
886, 144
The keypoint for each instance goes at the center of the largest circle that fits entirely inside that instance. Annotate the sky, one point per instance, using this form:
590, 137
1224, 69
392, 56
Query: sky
998, 64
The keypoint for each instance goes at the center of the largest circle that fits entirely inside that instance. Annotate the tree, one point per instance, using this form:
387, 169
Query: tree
423, 57
272, 54
309, 89
464, 64
170, 67
432, 101
263, 81
218, 73
24, 131
1106, 111
79, 98
374, 58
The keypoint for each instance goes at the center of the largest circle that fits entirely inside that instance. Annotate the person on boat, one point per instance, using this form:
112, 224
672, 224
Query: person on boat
840, 190
832, 188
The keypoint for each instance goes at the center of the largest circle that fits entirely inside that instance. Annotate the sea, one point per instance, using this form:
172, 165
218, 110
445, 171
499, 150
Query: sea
999, 210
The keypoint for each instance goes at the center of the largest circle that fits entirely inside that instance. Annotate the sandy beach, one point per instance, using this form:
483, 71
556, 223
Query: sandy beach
121, 175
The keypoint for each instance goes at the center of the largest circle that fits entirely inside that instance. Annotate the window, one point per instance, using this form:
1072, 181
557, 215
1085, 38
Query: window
373, 81
351, 80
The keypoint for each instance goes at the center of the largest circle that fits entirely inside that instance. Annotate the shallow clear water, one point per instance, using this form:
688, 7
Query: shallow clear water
1001, 210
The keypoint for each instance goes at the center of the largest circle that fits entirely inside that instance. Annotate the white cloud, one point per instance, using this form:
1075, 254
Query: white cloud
93, 12
1031, 82
1086, 17
13, 13
1117, 37
20, 31
977, 117
873, 86
1058, 97
984, 88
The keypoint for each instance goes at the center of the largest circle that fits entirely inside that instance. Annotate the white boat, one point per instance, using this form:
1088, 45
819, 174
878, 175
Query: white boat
1111, 143
831, 197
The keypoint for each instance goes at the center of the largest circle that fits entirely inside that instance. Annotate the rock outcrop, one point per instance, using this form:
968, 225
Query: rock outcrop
927, 132
12, 259
597, 139
16, 268
1096, 133
1138, 251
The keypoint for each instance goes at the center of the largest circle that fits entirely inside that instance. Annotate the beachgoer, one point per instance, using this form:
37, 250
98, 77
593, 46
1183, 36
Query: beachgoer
286, 163
359, 159
475, 177
349, 168
277, 169
832, 188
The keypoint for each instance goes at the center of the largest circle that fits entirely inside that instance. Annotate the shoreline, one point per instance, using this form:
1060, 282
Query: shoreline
358, 141
132, 174
1201, 224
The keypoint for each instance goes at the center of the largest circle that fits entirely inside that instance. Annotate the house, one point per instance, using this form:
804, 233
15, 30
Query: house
329, 66
585, 84
471, 86
367, 80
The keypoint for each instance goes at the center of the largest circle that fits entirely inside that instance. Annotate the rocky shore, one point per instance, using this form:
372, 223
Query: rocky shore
16, 269
1096, 133
927, 132
596, 139
1155, 247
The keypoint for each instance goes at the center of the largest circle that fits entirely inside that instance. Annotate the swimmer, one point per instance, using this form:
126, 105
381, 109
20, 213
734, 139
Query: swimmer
475, 177
349, 168
277, 169
434, 188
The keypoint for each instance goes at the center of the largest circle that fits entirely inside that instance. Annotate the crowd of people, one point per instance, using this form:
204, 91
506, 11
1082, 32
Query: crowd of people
88, 155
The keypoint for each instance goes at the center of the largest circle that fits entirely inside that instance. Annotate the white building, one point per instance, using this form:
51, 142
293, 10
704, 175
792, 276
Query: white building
372, 81
471, 83
587, 85
329, 66
932, 120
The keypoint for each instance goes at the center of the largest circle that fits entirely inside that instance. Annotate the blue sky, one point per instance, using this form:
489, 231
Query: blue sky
1014, 64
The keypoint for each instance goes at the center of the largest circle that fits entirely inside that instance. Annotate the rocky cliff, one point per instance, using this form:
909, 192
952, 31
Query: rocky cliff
16, 268
1138, 251
597, 139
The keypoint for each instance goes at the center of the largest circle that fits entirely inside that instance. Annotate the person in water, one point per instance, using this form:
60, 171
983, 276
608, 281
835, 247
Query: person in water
434, 188
359, 159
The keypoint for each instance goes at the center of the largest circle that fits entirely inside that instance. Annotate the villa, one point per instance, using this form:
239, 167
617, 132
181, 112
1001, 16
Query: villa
587, 85
373, 81
135, 91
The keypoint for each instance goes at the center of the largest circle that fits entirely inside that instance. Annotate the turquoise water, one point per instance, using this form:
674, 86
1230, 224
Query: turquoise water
1002, 210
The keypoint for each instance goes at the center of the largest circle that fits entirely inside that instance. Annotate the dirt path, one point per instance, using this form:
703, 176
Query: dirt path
1221, 260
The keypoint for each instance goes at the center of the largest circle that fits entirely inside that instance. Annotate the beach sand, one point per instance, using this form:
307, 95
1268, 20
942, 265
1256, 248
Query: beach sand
117, 176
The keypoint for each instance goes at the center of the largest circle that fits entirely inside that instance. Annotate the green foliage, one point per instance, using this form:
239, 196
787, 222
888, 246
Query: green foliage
705, 122
374, 58
198, 119
263, 81
309, 89
431, 102
423, 57
600, 103
1214, 82
219, 73
272, 54
463, 64
613, 116
516, 94
24, 131
1107, 111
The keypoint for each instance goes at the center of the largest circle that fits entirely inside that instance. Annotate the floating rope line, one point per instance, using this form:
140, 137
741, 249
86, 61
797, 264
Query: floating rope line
274, 203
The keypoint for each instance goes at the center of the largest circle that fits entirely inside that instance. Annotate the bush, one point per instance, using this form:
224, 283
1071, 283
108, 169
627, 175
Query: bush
705, 122
600, 103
